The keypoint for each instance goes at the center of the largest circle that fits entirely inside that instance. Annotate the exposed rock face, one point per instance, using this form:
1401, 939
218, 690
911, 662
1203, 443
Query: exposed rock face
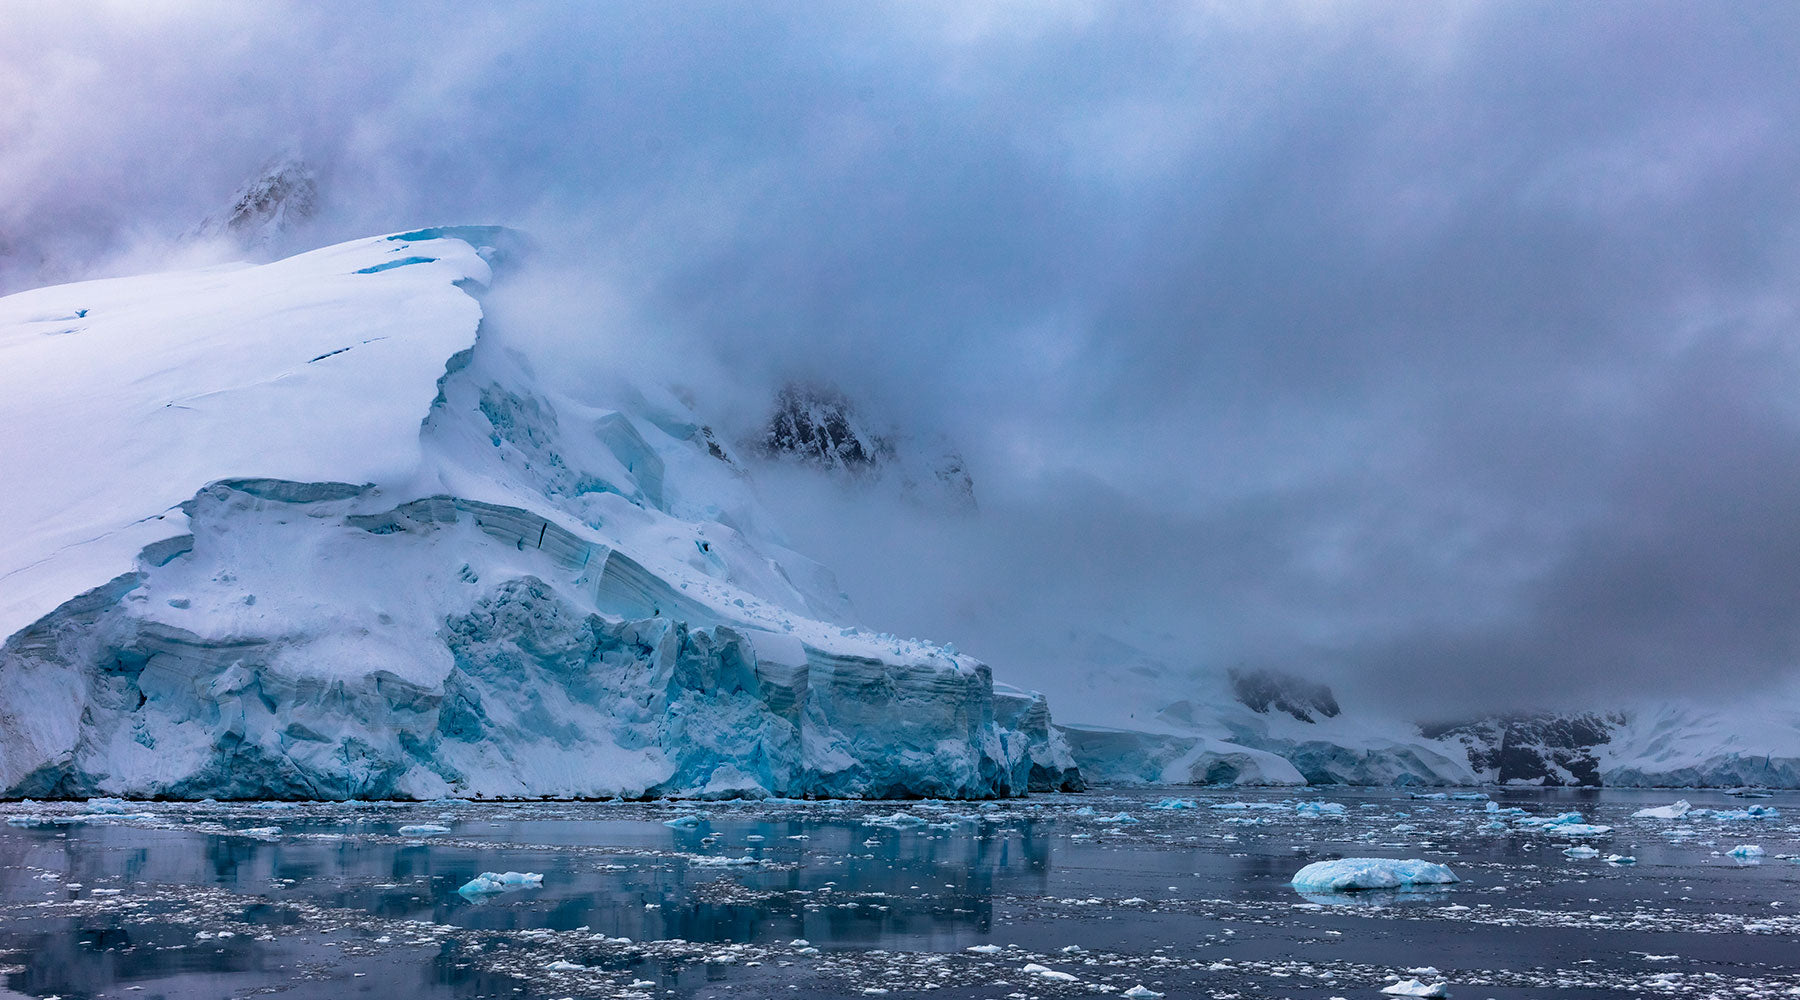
821, 428
1539, 748
817, 426
282, 196
1261, 690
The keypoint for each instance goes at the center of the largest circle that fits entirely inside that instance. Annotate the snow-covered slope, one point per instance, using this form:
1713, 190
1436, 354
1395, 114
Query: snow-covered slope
305, 529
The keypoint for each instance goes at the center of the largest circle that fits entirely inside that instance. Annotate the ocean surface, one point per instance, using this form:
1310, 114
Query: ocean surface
1180, 892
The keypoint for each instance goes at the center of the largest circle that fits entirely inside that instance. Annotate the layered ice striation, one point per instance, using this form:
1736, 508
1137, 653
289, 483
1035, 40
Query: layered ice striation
312, 530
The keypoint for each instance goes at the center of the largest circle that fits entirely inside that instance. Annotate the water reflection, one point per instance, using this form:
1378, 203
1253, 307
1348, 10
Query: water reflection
1023, 875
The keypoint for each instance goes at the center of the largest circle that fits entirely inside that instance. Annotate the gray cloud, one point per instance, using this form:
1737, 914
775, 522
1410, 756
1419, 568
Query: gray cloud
1443, 350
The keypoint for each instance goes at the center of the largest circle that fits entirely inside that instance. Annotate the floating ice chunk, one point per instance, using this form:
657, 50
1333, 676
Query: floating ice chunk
1319, 809
1582, 851
1675, 810
896, 821
1620, 859
1576, 828
1754, 812
1175, 804
985, 949
1353, 874
1743, 851
688, 822
260, 831
491, 882
1140, 992
423, 830
1415, 988
1035, 969
1124, 818
562, 965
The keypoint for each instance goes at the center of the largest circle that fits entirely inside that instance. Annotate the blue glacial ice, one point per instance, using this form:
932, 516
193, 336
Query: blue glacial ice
1357, 874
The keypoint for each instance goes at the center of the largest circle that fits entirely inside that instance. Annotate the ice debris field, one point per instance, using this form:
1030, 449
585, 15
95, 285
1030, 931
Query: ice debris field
1216, 894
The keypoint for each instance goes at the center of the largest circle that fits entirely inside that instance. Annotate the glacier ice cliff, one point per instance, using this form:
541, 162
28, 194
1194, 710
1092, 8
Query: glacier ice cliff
310, 530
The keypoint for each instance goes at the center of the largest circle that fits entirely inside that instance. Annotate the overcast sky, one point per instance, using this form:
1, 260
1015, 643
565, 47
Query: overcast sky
1445, 349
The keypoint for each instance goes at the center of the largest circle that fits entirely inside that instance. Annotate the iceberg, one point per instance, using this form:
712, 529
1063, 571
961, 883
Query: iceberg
1356, 874
316, 529
488, 883
1746, 851
1675, 810
1416, 988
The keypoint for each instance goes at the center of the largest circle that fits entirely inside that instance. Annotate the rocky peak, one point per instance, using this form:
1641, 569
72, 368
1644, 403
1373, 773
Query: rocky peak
819, 426
283, 194
1261, 690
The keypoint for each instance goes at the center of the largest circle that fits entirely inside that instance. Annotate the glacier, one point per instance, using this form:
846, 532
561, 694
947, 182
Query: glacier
312, 529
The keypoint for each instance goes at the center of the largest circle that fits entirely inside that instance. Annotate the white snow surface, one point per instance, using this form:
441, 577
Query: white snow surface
124, 397
1356, 874
313, 529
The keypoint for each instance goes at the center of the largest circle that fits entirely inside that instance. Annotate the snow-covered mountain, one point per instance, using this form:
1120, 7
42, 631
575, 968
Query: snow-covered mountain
311, 529
314, 528
1270, 728
281, 197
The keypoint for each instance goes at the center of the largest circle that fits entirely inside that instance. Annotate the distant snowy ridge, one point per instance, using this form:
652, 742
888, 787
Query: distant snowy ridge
1271, 729
307, 530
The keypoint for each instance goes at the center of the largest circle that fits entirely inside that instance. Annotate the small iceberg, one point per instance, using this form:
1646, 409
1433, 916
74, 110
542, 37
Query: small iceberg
1046, 972
1744, 852
1415, 988
896, 821
1357, 874
1675, 810
1582, 851
488, 883
423, 830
